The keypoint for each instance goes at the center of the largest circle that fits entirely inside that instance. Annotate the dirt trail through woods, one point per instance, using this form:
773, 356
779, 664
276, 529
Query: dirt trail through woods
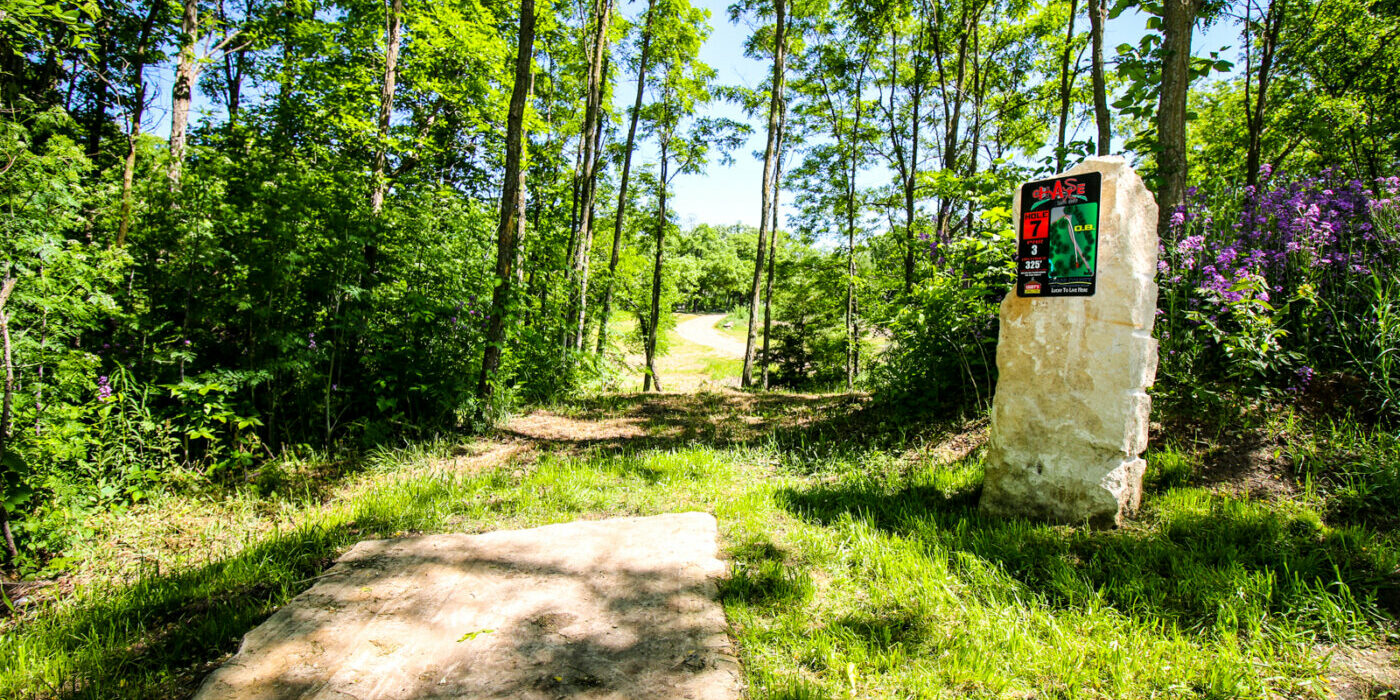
701, 331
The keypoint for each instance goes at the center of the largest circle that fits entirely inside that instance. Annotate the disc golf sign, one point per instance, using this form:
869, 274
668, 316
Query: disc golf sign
1058, 247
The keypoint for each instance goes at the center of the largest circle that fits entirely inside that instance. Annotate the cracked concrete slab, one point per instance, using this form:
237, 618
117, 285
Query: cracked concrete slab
621, 608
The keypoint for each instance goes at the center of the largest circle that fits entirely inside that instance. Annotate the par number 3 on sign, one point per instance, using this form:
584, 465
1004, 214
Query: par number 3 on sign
1057, 252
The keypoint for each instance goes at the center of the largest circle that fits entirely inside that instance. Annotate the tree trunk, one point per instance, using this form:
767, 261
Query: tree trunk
654, 323
6, 402
911, 181
852, 331
512, 206
234, 63
979, 86
182, 93
592, 135
953, 121
622, 185
386, 106
138, 107
1178, 20
770, 156
1098, 16
1060, 151
1254, 114
773, 247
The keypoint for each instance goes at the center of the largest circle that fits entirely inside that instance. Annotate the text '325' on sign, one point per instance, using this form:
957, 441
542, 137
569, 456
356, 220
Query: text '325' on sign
1058, 247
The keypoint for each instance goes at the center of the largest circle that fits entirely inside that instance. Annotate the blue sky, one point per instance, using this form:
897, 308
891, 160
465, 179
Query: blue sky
730, 194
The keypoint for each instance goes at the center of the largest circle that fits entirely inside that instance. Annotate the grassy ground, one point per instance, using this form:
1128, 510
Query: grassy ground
1263, 564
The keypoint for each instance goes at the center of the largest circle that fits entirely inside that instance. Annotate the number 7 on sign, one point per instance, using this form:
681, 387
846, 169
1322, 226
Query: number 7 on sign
1035, 226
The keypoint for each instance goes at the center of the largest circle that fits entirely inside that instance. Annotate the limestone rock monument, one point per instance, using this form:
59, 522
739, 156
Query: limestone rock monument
1076, 353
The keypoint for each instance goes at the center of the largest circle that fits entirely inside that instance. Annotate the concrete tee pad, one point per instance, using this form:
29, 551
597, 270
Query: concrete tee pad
621, 608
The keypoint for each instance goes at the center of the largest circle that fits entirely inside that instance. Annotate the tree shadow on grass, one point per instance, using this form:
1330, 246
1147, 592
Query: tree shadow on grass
1200, 561
161, 636
804, 428
156, 637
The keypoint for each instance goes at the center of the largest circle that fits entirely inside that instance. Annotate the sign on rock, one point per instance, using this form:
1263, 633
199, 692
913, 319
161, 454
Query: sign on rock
1069, 419
1058, 250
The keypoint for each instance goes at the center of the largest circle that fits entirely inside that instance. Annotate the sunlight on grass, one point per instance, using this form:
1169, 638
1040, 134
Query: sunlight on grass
855, 571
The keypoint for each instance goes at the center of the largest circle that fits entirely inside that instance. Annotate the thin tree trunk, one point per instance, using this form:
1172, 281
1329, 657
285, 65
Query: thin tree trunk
852, 331
773, 248
592, 135
979, 85
770, 156
182, 94
1098, 16
386, 106
585, 256
652, 379
6, 402
622, 185
233, 73
911, 179
1060, 150
1178, 20
138, 107
855, 325
910, 185
1254, 115
512, 207
953, 121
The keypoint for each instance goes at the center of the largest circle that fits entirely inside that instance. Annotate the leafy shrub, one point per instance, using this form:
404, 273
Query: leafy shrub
945, 331
807, 345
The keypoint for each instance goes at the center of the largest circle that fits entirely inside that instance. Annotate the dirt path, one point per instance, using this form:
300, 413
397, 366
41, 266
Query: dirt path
701, 331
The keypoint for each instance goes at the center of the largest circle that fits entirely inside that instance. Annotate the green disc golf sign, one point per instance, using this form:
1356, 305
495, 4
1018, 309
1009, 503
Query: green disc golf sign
1059, 242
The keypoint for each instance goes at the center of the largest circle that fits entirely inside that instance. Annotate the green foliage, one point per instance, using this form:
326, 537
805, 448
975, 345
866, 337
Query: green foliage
944, 351
808, 344
713, 266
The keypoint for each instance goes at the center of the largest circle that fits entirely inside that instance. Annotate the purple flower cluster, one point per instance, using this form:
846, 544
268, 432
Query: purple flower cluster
104, 389
1320, 230
1305, 376
474, 311
1272, 274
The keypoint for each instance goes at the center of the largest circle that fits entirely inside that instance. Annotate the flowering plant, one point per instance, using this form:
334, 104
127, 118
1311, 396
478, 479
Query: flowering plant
1245, 274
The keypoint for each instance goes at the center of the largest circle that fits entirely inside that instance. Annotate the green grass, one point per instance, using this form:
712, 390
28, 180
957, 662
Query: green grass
859, 568
723, 367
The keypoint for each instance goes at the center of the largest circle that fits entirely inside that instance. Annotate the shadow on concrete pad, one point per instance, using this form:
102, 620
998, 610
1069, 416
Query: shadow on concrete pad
621, 608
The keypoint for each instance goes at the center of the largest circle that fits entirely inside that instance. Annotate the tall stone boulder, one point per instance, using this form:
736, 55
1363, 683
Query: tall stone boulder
1070, 415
